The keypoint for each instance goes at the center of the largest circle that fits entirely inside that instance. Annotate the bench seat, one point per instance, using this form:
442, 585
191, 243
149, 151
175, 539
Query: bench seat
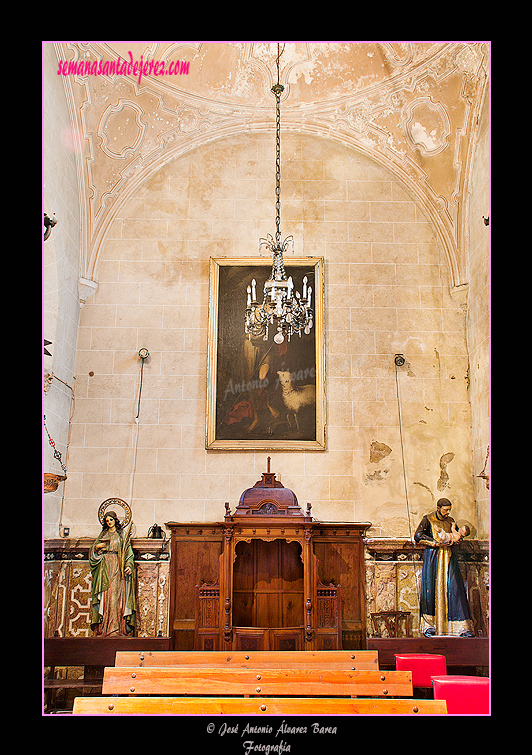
286, 706
165, 680
347, 659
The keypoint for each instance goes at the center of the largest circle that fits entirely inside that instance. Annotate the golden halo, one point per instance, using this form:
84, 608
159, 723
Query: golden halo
115, 502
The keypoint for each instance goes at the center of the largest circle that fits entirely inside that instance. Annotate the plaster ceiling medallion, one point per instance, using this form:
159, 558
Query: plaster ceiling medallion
122, 129
427, 126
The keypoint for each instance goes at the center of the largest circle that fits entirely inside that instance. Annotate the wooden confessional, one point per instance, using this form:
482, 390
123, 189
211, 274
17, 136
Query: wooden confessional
269, 577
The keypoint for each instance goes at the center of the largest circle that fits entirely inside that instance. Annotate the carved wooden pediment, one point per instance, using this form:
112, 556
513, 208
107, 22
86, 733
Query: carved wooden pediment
268, 499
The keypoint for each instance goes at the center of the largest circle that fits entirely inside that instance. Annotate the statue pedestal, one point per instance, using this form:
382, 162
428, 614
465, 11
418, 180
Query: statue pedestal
95, 651
460, 652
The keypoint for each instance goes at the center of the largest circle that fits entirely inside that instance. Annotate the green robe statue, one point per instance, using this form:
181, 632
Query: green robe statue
112, 565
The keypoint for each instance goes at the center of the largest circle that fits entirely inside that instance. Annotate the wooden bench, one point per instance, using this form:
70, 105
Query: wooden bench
51, 686
354, 660
287, 706
92, 655
198, 680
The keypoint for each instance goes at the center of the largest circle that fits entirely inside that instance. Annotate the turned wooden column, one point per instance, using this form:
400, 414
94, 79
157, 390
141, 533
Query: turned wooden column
310, 588
226, 588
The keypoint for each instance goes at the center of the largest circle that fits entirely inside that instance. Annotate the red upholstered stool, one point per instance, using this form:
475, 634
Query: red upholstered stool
422, 665
468, 695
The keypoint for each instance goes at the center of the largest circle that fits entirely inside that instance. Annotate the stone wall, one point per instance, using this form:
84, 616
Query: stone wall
387, 291
478, 318
61, 272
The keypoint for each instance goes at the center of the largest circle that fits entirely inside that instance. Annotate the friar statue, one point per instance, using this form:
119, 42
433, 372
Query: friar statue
444, 608
112, 565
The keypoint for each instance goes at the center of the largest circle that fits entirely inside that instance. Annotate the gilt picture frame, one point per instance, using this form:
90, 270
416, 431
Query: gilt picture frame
262, 395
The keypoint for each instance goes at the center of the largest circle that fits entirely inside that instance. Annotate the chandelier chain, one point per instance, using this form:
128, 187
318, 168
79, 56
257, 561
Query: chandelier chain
57, 454
278, 173
277, 89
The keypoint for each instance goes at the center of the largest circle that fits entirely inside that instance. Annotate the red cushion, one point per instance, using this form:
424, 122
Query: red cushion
464, 694
422, 665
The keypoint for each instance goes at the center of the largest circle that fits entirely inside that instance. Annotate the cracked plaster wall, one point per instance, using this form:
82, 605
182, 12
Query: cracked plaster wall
478, 317
61, 263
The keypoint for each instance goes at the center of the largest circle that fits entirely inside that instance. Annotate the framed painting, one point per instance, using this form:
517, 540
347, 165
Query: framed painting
262, 394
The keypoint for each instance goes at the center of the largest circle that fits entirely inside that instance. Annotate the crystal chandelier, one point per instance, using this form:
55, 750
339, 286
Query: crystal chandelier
282, 308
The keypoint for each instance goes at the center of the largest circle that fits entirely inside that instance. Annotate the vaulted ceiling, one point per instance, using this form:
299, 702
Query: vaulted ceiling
413, 107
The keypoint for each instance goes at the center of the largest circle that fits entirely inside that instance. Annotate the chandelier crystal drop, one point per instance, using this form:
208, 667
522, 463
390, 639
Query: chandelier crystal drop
282, 309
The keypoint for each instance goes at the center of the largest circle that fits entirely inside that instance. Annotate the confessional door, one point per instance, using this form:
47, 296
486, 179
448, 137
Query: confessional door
268, 585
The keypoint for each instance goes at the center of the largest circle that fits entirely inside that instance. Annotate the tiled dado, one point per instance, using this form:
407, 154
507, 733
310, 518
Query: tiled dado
393, 577
67, 587
393, 573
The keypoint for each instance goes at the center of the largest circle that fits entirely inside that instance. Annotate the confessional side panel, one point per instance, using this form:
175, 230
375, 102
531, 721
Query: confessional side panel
194, 562
340, 562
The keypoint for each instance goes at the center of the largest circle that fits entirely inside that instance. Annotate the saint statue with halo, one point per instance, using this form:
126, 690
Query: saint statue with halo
112, 565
